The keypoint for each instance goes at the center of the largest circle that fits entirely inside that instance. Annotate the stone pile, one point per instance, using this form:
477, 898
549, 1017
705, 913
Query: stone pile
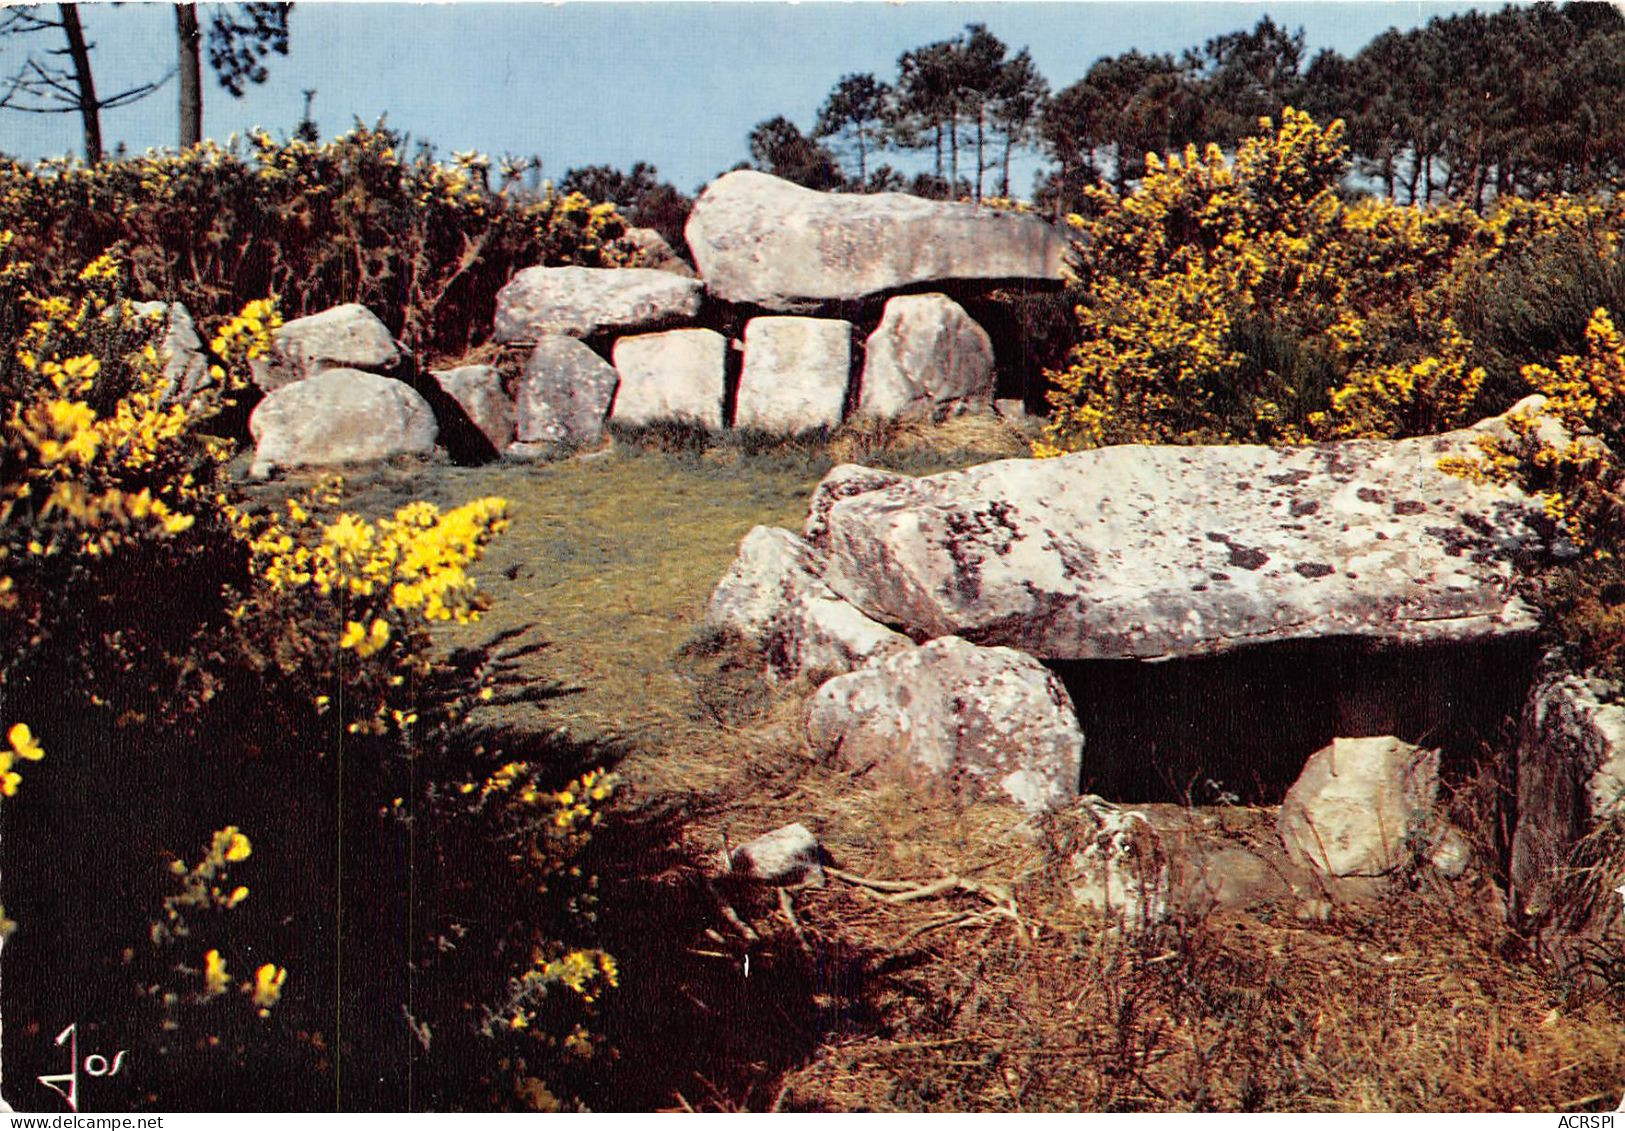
782, 266
925, 611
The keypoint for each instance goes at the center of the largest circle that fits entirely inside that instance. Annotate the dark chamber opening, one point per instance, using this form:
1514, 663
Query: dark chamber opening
1243, 724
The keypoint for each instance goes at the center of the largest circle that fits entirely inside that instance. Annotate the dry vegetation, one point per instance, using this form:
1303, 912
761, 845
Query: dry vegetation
886, 990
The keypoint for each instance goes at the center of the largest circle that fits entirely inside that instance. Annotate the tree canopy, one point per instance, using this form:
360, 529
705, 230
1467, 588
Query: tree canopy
1467, 107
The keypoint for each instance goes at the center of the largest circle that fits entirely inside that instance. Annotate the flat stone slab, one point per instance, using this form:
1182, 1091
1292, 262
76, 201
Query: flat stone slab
582, 301
762, 240
1146, 552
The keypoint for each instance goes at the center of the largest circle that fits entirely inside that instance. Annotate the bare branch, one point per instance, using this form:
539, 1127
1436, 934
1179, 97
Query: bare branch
136, 93
20, 21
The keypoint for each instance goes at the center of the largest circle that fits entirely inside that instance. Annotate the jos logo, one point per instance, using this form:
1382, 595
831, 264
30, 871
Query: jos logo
94, 1065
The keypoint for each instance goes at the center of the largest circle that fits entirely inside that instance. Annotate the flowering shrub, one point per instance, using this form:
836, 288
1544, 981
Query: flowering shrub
1245, 300
184, 653
425, 244
1574, 469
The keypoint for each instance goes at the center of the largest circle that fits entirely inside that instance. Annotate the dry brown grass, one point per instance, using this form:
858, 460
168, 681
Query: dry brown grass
848, 1000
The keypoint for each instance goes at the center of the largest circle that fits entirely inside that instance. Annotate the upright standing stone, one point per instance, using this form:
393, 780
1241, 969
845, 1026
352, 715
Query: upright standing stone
179, 347
796, 374
927, 359
1360, 807
478, 390
949, 718
773, 599
1571, 774
564, 395
677, 375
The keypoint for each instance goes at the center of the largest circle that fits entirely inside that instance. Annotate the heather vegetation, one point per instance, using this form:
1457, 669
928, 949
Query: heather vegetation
316, 792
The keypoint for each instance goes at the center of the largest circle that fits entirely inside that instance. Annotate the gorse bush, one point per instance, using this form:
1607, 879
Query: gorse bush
426, 245
1248, 299
190, 668
1564, 450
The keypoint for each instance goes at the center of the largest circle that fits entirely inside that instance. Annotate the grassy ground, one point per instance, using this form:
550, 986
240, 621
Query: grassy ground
993, 993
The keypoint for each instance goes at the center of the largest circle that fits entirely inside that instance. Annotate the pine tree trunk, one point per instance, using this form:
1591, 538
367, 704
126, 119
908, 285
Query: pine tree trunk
191, 107
980, 164
90, 108
1063, 188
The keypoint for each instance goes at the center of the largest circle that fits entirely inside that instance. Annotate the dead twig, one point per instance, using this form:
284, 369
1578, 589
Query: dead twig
866, 882
745, 930
789, 911
897, 892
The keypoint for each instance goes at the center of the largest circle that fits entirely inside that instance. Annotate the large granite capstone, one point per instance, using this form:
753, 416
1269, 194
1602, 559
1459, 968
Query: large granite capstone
580, 302
1146, 552
762, 240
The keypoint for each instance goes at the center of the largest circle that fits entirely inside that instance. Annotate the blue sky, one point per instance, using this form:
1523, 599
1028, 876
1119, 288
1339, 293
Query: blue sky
676, 84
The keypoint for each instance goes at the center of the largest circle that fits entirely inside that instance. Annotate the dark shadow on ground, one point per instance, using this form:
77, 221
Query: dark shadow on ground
706, 1017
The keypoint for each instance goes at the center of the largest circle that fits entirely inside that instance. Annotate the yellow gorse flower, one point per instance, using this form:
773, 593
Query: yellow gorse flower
417, 560
215, 979
21, 743
267, 987
233, 845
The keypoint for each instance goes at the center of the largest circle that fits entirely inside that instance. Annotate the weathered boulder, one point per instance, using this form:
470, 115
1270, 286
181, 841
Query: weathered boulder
927, 359
478, 389
951, 718
1121, 870
180, 350
1148, 552
1361, 806
841, 482
773, 599
654, 252
582, 301
339, 416
564, 395
761, 240
796, 373
341, 337
676, 375
788, 855
1571, 774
